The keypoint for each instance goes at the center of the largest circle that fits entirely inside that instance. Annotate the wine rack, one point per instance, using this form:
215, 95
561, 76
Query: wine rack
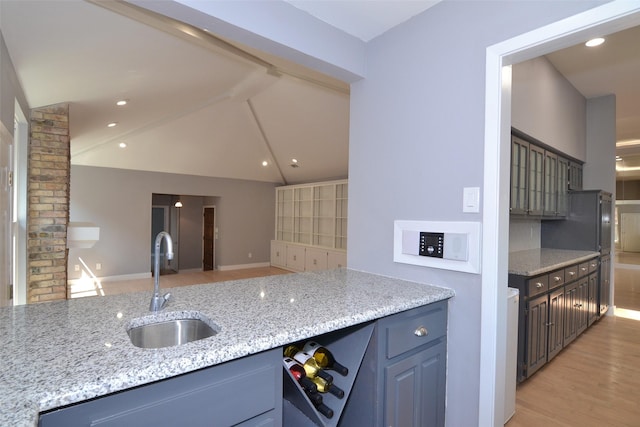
348, 346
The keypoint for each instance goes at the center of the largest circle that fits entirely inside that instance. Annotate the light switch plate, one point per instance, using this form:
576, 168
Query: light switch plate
471, 199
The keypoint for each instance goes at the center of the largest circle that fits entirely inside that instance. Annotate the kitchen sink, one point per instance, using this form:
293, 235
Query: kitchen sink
170, 333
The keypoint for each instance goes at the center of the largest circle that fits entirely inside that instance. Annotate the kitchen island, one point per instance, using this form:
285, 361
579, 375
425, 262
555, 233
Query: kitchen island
60, 353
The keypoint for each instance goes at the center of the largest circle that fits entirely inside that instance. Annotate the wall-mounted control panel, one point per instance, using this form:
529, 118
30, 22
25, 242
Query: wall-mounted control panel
450, 245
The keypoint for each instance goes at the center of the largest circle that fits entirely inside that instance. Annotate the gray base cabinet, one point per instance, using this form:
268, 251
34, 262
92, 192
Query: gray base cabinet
402, 378
245, 392
555, 308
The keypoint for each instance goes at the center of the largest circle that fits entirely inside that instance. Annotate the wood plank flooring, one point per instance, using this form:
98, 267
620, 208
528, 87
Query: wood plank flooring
595, 381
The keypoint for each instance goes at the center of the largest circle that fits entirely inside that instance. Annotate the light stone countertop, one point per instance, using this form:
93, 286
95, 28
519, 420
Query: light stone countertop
538, 261
59, 353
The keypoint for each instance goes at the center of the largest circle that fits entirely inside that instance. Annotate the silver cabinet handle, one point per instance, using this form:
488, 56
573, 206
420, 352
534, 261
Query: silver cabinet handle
572, 273
421, 331
557, 278
539, 285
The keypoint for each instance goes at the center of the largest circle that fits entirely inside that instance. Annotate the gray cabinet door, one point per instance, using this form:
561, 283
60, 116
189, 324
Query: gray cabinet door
593, 310
605, 283
550, 201
582, 311
519, 167
536, 180
563, 187
415, 389
246, 390
537, 315
556, 323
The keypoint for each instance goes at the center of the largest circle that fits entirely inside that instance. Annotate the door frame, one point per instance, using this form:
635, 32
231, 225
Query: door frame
215, 233
606, 19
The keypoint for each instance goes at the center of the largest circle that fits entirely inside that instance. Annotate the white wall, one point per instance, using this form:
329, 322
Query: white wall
600, 168
417, 132
546, 106
417, 129
119, 202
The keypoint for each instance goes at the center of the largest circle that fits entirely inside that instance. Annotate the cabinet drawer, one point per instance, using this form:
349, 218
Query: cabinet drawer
583, 269
593, 265
556, 278
414, 328
571, 273
537, 285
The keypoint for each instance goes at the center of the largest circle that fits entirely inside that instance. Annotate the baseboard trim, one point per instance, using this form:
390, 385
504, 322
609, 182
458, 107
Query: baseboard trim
243, 266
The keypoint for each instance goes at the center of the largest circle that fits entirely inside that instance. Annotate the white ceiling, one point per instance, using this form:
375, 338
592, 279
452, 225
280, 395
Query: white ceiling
195, 107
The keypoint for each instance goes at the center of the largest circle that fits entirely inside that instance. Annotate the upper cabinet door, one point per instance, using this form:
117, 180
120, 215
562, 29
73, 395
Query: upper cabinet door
536, 180
550, 202
519, 165
563, 187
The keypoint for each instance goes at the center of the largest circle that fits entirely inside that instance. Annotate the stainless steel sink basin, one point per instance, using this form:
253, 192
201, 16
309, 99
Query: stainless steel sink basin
169, 333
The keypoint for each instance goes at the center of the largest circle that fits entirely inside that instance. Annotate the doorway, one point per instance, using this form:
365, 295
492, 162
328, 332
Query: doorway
608, 17
630, 232
165, 218
209, 234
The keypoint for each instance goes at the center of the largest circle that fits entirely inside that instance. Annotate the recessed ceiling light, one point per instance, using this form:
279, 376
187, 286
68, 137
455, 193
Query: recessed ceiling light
265, 163
594, 42
122, 145
112, 124
121, 102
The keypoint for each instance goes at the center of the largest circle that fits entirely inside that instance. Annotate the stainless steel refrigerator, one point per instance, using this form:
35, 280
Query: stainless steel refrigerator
587, 227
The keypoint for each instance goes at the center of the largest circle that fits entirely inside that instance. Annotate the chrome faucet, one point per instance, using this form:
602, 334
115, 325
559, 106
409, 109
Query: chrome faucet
157, 301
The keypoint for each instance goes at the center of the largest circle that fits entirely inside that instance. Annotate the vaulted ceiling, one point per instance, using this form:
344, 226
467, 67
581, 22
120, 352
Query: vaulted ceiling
201, 105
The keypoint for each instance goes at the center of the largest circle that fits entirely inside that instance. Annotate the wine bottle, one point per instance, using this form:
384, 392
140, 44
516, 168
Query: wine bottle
324, 357
328, 387
322, 408
311, 366
298, 372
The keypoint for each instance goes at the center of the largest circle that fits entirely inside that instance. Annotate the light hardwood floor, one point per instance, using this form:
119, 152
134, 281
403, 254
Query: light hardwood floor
91, 287
595, 381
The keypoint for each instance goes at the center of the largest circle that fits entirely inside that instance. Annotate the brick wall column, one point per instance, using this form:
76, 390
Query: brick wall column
48, 203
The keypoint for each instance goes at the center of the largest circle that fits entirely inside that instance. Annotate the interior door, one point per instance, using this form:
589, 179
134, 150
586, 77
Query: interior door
630, 232
208, 239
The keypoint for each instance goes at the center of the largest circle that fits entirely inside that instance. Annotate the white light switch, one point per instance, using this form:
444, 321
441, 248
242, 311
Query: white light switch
471, 199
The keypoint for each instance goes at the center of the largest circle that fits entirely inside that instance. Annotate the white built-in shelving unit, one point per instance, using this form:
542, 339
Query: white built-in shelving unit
311, 226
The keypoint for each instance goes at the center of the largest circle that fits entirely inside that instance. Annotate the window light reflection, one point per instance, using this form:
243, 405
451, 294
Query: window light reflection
88, 284
627, 314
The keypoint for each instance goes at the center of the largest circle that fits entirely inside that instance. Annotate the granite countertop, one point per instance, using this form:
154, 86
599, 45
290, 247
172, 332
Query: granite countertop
59, 353
538, 261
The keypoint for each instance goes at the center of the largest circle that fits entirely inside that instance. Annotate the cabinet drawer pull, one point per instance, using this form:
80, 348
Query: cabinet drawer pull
550, 324
421, 331
556, 278
583, 269
572, 273
539, 285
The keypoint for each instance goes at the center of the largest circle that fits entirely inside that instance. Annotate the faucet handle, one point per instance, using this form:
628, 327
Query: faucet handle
166, 298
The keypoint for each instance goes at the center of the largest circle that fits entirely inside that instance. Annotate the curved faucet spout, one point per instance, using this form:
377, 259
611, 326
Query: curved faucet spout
157, 301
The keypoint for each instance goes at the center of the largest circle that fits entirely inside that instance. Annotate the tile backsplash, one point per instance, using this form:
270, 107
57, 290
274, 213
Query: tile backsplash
524, 234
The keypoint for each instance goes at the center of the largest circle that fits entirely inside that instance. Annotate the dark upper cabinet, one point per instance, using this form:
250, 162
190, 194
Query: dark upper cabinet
539, 180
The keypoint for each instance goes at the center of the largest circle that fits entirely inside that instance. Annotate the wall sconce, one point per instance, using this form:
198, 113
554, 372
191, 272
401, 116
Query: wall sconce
178, 204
